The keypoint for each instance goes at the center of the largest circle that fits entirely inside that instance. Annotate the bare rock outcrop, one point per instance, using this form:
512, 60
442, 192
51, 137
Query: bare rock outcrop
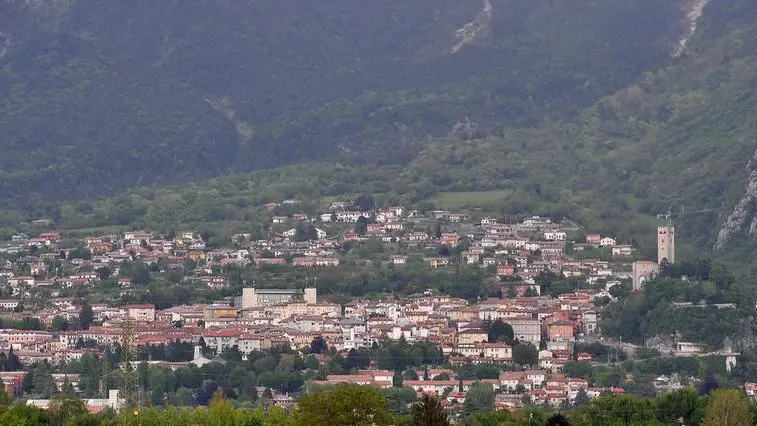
694, 10
743, 211
475, 29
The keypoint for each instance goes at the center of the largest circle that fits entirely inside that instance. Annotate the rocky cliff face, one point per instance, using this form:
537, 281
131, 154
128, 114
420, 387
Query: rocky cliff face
743, 213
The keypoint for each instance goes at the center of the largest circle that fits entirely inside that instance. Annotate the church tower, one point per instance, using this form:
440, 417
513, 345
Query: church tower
666, 248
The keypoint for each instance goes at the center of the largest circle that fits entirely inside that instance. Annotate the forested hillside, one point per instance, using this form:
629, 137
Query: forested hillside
580, 108
100, 96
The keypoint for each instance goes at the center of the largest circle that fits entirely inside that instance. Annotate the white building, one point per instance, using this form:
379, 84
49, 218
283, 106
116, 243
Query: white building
554, 236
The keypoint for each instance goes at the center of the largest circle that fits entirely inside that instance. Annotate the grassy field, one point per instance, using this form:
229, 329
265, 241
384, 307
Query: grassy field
474, 199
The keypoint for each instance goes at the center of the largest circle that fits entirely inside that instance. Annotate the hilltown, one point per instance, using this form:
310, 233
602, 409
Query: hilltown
40, 272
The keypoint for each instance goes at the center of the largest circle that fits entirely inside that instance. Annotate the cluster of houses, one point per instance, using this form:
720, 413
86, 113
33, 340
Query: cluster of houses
524, 250
261, 319
265, 318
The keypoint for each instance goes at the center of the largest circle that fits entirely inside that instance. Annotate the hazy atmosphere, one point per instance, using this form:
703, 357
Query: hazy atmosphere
378, 212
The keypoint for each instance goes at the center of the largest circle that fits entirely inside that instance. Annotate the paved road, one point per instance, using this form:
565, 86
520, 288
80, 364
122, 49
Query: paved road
628, 348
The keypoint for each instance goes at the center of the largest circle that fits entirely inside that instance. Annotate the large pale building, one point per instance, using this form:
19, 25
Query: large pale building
256, 297
666, 248
526, 329
142, 313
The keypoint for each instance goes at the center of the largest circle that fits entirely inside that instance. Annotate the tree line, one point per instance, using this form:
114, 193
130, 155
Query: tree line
353, 405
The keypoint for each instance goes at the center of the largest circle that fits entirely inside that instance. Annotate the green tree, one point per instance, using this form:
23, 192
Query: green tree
500, 331
399, 399
364, 202
27, 385
68, 389
344, 405
302, 233
361, 227
557, 419
410, 374
104, 272
80, 253
318, 345
623, 409
683, 404
232, 354
13, 363
23, 415
577, 369
64, 408
184, 397
526, 354
86, 315
489, 418
44, 385
480, 397
397, 379
157, 396
59, 324
486, 371
428, 411
709, 384
582, 398
312, 363
728, 407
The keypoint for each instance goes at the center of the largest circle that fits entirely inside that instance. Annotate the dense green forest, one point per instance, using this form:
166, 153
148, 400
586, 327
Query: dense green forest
98, 96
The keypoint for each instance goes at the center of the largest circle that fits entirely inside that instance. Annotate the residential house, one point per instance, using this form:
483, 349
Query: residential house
436, 262
417, 237
457, 217
136, 237
472, 335
450, 239
554, 236
622, 250
560, 330
398, 260
142, 313
505, 270
593, 239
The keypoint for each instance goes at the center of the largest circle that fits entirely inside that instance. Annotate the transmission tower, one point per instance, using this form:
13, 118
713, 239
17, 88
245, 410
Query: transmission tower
130, 383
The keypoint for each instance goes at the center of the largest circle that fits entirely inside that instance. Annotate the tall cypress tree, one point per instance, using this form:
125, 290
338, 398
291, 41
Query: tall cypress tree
86, 316
428, 411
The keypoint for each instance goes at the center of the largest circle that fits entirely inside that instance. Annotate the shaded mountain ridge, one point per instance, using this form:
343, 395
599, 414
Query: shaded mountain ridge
101, 96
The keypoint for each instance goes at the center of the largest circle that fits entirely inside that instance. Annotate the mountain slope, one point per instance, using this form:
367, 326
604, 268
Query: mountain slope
681, 136
103, 95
